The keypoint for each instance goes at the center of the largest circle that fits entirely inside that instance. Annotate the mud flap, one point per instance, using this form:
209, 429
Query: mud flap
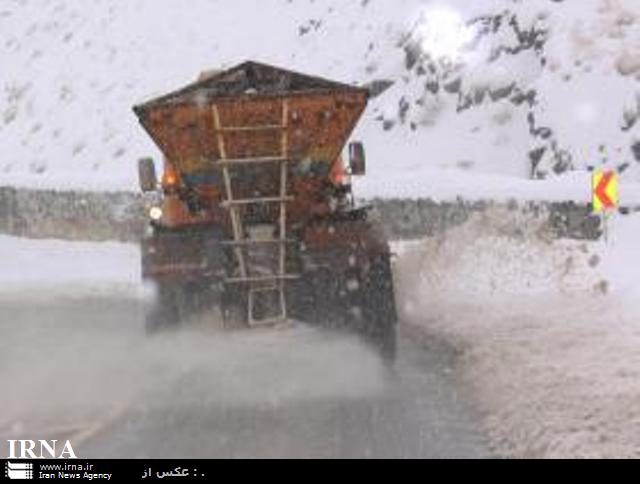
324, 299
379, 307
176, 302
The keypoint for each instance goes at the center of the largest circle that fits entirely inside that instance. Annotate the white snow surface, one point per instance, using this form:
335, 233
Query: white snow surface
51, 267
548, 332
73, 70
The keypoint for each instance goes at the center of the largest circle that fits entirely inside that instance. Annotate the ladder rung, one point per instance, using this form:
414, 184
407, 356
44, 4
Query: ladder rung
276, 277
252, 161
253, 201
270, 321
258, 241
268, 127
274, 288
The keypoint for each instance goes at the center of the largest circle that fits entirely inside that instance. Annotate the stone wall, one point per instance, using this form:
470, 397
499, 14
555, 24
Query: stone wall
71, 215
120, 216
411, 219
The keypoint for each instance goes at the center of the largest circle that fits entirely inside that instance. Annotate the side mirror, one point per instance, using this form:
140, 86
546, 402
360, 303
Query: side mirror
357, 159
147, 175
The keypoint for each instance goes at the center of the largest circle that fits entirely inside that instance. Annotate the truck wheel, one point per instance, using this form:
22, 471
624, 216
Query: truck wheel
379, 307
164, 313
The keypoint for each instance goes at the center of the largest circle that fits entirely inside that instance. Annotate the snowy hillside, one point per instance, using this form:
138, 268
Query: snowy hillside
500, 87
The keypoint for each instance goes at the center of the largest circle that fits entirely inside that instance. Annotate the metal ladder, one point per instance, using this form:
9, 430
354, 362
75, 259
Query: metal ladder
257, 284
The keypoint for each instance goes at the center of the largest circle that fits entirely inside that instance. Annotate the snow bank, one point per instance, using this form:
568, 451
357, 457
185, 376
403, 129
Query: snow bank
52, 267
549, 332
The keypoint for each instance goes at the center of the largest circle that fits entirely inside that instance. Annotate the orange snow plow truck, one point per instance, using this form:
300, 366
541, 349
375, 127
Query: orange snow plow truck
253, 216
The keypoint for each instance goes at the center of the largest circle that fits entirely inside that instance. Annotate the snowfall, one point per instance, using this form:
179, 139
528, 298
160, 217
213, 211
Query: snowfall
485, 99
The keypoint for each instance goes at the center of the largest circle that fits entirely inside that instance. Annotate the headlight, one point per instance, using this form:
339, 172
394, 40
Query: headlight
155, 213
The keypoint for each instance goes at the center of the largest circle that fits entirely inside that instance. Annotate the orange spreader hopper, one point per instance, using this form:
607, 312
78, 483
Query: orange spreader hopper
252, 111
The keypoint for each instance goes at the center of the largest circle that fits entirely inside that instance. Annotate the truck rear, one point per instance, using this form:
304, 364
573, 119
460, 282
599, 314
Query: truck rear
254, 213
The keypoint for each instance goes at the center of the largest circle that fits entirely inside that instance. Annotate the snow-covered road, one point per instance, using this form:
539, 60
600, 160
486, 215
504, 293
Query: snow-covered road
80, 366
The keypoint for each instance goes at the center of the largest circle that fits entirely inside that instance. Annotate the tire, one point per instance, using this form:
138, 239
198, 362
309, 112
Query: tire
369, 312
165, 312
379, 307
177, 301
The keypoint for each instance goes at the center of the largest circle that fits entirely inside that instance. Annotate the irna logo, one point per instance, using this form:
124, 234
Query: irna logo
41, 449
